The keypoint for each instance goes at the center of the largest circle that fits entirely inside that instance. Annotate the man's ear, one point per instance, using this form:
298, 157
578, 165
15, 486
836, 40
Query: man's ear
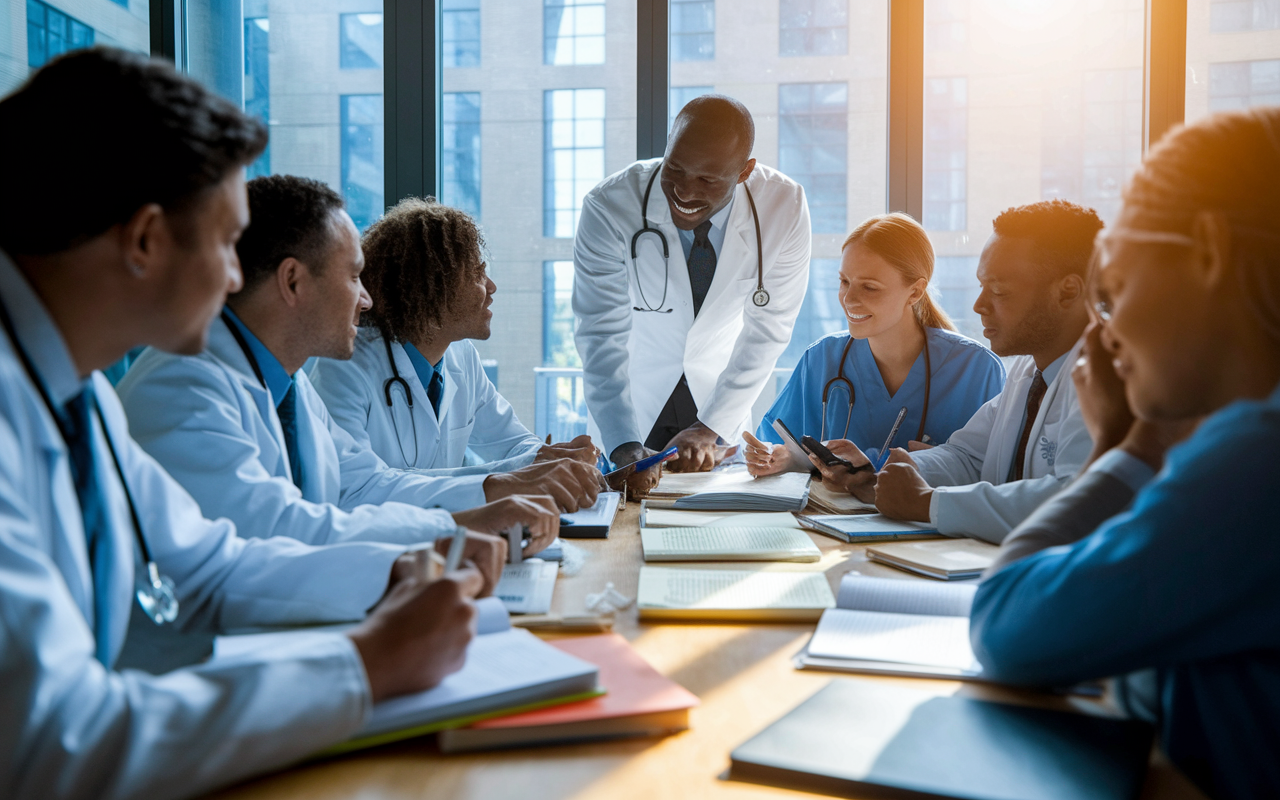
145, 240
1071, 290
288, 275
1211, 255
747, 170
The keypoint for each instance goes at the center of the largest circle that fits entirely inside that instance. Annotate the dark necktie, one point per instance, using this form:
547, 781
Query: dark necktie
702, 265
79, 432
435, 388
1034, 396
288, 412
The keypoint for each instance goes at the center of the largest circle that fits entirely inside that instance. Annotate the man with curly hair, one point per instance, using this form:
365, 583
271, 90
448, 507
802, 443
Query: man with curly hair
415, 391
1027, 442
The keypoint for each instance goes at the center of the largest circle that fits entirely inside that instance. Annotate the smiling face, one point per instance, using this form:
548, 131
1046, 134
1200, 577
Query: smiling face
699, 173
334, 298
873, 294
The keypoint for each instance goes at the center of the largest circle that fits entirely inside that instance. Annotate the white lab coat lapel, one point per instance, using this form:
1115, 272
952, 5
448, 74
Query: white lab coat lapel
1007, 429
321, 472
272, 453
428, 427
69, 547
1055, 398
719, 317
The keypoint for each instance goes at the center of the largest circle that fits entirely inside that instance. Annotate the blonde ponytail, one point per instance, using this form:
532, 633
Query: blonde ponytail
899, 240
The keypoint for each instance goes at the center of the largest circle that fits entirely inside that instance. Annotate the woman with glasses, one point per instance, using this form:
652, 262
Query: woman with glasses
1159, 563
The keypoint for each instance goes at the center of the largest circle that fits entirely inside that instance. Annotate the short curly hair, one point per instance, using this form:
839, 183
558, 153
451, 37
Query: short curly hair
415, 260
289, 216
1063, 233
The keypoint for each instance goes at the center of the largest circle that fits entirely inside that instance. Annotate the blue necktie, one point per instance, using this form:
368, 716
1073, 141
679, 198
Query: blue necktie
702, 265
93, 508
288, 413
435, 389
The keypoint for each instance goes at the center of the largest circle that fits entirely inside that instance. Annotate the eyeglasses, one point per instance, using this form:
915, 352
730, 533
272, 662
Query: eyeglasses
1107, 242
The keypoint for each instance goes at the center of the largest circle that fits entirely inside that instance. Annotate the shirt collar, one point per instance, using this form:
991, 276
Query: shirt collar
40, 337
422, 366
721, 217
278, 381
1050, 372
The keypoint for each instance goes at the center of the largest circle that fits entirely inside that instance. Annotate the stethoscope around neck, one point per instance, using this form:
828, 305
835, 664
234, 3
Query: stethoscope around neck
387, 386
760, 297
848, 385
154, 591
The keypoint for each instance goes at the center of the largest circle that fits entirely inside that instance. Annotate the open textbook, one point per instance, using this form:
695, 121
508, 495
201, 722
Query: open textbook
660, 514
507, 670
732, 488
759, 594
727, 543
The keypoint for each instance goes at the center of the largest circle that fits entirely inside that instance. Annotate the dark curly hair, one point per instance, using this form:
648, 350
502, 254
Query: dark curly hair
415, 259
116, 131
288, 216
1062, 231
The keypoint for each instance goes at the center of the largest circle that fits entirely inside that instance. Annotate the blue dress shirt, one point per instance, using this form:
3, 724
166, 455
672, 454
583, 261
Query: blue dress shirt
278, 381
965, 375
1183, 582
715, 235
425, 369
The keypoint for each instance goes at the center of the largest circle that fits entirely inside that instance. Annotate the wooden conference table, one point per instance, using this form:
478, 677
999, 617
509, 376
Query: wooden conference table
742, 673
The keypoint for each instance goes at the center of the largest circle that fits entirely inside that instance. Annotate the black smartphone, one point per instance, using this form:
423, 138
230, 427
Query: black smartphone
826, 456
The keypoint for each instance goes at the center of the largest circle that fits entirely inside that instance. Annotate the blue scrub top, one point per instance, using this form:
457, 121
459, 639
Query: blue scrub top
965, 375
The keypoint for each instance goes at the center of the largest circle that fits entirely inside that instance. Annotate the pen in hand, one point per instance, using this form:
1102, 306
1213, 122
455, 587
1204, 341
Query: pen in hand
884, 451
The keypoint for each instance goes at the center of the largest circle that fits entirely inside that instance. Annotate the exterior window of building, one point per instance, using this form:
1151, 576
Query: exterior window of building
680, 97
558, 322
955, 279
693, 30
362, 157
573, 32
820, 313
461, 33
1233, 16
461, 151
257, 83
574, 146
1093, 139
946, 153
813, 27
361, 41
50, 33
947, 23
1241, 84
813, 143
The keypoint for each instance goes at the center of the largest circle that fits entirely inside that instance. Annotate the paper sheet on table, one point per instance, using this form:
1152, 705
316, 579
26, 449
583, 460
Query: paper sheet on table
905, 596
527, 587
718, 542
666, 587
679, 518
897, 638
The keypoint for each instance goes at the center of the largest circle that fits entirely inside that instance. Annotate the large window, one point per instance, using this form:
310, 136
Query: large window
362, 155
1233, 16
680, 97
574, 136
573, 32
813, 143
460, 156
558, 322
257, 82
361, 41
693, 30
1233, 55
821, 313
50, 33
814, 27
461, 33
34, 32
946, 153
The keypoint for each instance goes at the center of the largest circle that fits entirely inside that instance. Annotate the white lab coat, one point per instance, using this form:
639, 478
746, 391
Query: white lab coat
632, 360
970, 472
214, 427
472, 413
75, 729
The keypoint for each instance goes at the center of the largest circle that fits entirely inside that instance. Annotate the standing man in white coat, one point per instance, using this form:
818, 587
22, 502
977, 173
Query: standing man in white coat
415, 391
1026, 443
685, 297
242, 429
145, 255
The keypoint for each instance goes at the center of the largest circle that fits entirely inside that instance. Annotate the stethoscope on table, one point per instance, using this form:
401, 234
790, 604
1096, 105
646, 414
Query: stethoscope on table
848, 385
387, 385
760, 297
155, 592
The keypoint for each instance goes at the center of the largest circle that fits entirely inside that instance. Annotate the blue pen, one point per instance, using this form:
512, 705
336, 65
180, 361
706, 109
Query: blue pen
884, 451
645, 463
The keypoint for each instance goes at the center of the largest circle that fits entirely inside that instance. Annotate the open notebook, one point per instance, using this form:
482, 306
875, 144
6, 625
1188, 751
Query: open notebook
507, 670
733, 489
824, 500
759, 594
727, 543
661, 514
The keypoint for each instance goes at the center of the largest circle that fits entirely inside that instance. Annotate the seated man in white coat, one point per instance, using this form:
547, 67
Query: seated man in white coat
241, 428
145, 256
1026, 443
689, 271
415, 391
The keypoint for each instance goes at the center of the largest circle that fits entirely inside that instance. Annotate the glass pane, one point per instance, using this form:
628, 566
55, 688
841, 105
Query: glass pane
1233, 55
820, 119
1024, 101
527, 133
313, 75
53, 28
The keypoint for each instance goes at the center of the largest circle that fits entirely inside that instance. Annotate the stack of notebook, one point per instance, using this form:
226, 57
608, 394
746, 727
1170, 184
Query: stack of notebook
760, 594
733, 489
947, 559
824, 500
727, 543
861, 528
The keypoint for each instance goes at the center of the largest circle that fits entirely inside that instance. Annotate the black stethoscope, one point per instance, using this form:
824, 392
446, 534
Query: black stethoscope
387, 385
760, 298
155, 592
848, 385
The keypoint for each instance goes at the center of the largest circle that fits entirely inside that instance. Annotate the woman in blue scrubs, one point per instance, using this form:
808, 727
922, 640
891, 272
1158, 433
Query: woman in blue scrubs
881, 364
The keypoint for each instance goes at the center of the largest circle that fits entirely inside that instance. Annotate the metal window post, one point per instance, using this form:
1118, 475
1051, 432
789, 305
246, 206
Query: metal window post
1165, 68
905, 158
653, 77
412, 98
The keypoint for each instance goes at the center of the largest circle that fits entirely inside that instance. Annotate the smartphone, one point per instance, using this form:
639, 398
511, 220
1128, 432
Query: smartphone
826, 456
